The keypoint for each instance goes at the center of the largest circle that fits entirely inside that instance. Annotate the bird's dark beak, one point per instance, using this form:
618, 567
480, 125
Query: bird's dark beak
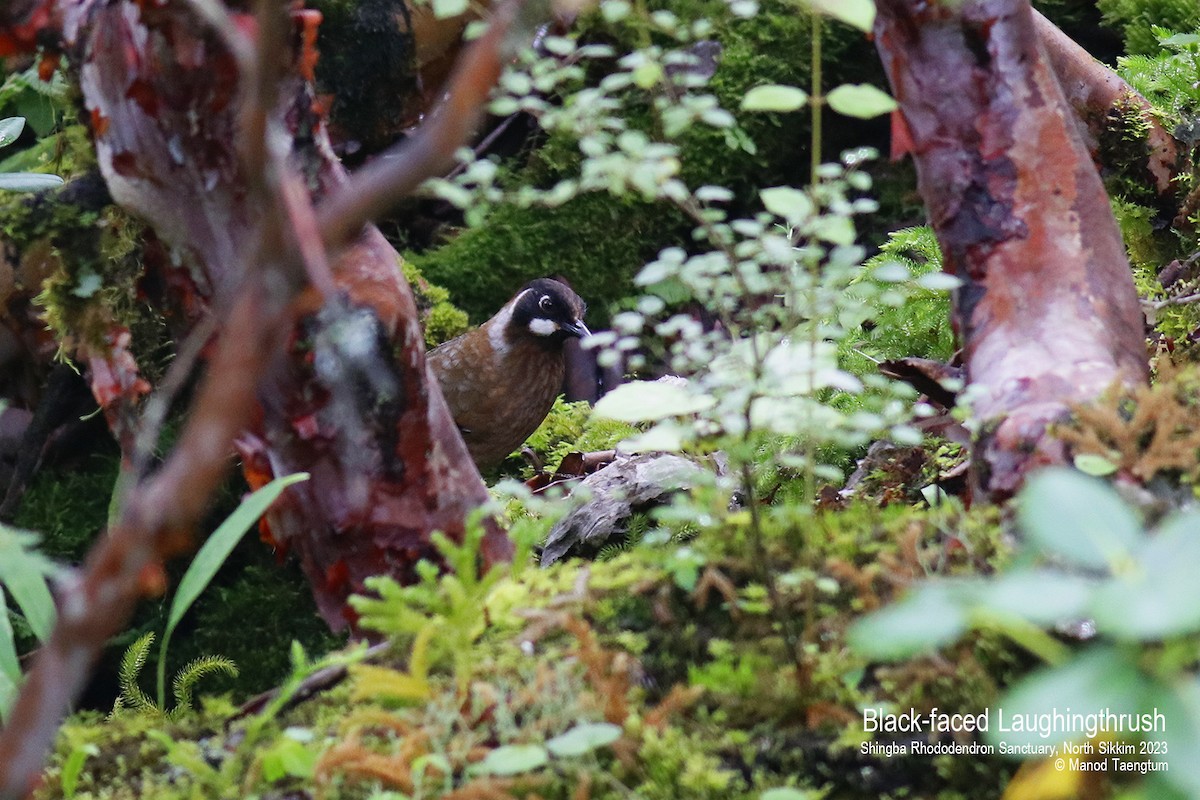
577, 328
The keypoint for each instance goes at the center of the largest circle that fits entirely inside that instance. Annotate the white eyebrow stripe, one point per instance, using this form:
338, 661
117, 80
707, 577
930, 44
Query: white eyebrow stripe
513, 303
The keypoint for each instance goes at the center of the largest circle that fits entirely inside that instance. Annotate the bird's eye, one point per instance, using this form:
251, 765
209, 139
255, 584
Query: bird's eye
545, 304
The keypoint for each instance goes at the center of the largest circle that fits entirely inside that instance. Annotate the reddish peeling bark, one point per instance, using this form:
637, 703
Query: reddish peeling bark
1047, 311
386, 461
154, 85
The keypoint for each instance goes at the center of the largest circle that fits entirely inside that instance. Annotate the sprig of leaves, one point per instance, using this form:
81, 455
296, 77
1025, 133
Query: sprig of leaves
10, 129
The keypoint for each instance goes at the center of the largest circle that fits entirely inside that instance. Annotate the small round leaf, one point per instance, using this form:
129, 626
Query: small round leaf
786, 793
859, 13
583, 739
860, 100
793, 205
931, 617
774, 97
514, 759
1092, 464
10, 129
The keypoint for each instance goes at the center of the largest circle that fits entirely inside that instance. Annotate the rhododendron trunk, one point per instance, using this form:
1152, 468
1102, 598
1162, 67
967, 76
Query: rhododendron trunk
1047, 311
387, 464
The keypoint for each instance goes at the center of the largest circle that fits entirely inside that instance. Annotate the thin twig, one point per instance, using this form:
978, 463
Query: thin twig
1182, 300
159, 404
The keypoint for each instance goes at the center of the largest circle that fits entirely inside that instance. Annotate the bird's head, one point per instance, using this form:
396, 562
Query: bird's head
550, 310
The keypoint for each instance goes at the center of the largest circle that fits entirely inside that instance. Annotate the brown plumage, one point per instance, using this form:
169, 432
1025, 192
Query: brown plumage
501, 379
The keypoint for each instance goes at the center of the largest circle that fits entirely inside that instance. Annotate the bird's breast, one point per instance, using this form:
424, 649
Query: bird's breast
498, 395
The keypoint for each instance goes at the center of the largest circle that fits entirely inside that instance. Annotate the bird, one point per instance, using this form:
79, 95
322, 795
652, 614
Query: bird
501, 379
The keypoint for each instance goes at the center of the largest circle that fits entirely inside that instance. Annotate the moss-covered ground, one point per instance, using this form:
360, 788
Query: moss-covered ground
674, 650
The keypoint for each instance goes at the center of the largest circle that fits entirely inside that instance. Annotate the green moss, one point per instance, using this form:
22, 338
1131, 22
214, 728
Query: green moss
440, 318
443, 322
68, 505
599, 242
1137, 19
754, 721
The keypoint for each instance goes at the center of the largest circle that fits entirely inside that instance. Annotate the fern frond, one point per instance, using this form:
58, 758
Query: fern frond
186, 679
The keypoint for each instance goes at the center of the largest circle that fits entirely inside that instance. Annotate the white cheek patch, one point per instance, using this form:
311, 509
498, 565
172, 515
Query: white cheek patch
542, 327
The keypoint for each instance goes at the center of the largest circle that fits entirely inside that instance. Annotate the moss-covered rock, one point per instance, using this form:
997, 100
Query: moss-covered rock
441, 319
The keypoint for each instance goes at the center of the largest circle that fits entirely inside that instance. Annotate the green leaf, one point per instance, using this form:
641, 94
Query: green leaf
1180, 41
10, 129
859, 13
1042, 596
288, 758
939, 281
650, 401
210, 558
793, 205
1180, 705
786, 793
836, 229
1078, 518
28, 181
774, 97
1098, 678
930, 617
583, 739
1094, 465
667, 436
860, 100
514, 759
1159, 595
73, 766
449, 8
10, 664
23, 573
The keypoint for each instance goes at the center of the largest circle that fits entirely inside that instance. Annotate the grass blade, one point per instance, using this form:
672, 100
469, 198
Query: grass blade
210, 558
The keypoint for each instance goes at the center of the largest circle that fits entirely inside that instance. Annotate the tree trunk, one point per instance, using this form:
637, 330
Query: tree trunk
1047, 311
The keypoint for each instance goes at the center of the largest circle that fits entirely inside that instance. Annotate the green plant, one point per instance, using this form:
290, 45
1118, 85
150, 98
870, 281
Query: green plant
133, 698
24, 575
1086, 556
208, 560
43, 104
73, 766
10, 129
1139, 18
443, 614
